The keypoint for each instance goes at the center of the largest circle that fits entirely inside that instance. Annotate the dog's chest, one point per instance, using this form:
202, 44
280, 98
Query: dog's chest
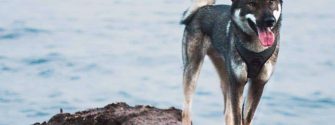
238, 66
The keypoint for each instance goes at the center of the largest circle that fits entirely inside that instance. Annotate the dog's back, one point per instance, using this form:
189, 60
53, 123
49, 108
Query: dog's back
196, 4
207, 17
209, 24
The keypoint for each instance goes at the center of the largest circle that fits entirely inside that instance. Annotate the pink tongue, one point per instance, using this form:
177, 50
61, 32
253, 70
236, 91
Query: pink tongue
266, 37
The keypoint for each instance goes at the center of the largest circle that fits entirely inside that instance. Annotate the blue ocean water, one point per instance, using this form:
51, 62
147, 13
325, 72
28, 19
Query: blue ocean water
80, 54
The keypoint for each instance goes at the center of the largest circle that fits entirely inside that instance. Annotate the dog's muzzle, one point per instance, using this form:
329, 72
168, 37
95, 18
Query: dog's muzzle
263, 29
269, 21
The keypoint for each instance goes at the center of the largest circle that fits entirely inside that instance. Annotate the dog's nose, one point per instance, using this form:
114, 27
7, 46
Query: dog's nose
269, 21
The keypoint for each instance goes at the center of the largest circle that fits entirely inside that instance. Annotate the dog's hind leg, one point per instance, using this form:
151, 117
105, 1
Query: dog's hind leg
219, 64
193, 56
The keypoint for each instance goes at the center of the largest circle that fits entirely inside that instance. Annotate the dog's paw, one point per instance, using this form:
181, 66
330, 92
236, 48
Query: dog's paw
186, 120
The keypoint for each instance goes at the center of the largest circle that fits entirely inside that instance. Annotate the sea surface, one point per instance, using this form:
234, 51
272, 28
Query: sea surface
79, 54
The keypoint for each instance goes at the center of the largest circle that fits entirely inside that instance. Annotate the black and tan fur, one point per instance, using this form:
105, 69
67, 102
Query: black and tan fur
213, 30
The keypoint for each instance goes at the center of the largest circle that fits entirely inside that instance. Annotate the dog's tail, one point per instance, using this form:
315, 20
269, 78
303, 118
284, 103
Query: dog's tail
196, 4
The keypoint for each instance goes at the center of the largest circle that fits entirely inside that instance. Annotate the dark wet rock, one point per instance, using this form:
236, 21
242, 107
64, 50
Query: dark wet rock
118, 114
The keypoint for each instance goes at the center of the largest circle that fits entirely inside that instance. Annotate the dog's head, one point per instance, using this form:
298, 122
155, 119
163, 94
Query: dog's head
258, 18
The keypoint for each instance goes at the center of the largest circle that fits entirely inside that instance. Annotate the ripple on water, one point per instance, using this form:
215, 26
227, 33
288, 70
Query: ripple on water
74, 78
203, 93
212, 114
55, 94
3, 68
9, 36
289, 105
137, 99
37, 114
321, 102
9, 97
37, 61
46, 73
19, 32
124, 94
31, 113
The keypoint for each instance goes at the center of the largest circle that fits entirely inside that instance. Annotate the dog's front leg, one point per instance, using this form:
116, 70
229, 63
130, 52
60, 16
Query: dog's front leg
237, 81
255, 92
256, 88
233, 112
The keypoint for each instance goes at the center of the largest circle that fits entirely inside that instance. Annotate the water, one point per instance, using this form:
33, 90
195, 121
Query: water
81, 54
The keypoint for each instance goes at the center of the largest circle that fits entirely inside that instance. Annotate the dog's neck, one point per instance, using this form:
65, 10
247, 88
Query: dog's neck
251, 51
254, 60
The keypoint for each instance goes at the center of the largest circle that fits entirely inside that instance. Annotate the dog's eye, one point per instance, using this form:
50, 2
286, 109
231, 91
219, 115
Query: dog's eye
272, 2
252, 4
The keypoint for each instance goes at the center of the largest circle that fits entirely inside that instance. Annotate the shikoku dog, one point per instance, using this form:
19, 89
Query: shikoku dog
242, 40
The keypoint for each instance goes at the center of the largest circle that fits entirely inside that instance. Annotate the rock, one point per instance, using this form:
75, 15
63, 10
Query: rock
118, 114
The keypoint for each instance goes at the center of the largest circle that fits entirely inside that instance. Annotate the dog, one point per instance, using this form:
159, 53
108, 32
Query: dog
242, 41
